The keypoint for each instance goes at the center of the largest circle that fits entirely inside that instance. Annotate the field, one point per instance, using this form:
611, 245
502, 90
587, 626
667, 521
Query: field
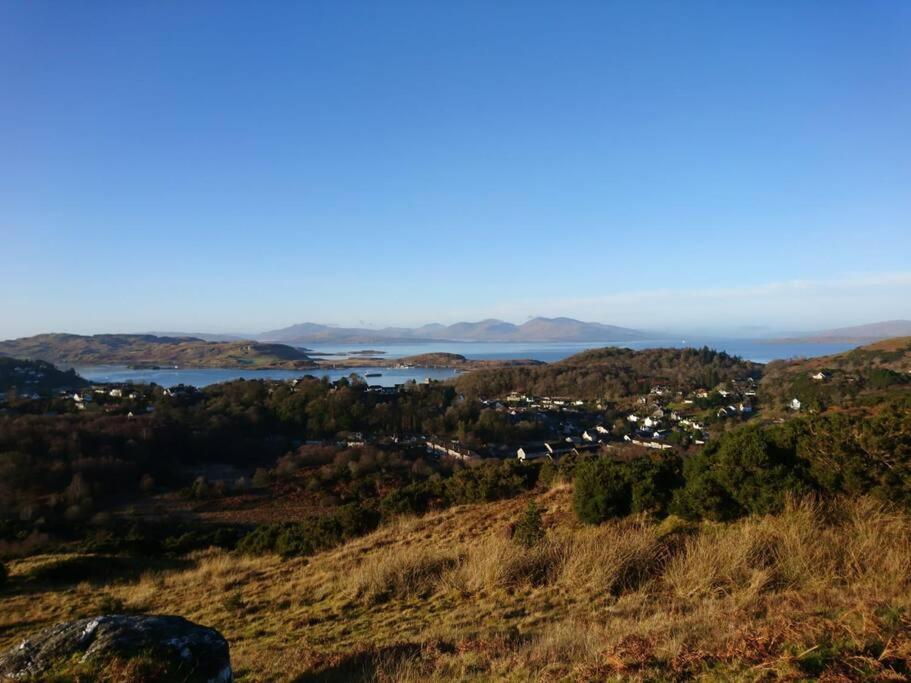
816, 591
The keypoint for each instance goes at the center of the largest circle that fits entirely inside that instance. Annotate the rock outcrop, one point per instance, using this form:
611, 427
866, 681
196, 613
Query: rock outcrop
182, 650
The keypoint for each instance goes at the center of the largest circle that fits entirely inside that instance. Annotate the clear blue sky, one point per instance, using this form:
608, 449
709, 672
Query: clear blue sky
233, 166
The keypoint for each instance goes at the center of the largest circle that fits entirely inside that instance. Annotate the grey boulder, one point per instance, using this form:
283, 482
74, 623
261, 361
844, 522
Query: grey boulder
186, 651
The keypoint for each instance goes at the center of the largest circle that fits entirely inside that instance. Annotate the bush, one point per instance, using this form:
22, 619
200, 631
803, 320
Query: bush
745, 472
601, 491
529, 530
3, 573
653, 483
319, 532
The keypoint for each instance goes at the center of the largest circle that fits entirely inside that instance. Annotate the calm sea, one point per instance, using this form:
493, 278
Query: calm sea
755, 350
751, 349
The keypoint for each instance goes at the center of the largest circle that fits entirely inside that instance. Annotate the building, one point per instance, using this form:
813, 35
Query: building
453, 449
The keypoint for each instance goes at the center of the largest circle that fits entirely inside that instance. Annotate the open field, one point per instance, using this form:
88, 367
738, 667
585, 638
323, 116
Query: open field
813, 592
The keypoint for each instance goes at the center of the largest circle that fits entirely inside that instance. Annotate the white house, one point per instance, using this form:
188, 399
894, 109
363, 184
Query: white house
633, 418
820, 376
794, 404
115, 393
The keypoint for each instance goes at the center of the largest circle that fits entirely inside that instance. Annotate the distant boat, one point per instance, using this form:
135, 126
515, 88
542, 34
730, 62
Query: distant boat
374, 374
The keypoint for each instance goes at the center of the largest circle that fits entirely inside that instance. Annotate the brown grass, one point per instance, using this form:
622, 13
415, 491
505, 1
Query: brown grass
816, 591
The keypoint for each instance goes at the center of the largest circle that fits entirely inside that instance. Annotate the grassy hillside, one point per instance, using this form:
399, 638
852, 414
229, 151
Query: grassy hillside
145, 349
811, 592
863, 376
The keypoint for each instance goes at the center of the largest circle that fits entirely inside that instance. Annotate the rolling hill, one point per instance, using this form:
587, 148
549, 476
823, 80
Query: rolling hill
134, 349
858, 333
29, 377
866, 375
450, 597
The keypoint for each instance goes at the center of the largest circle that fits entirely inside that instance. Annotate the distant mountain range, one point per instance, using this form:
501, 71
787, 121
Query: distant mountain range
490, 330
857, 334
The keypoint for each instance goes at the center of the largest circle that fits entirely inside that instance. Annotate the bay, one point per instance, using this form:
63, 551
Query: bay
751, 349
758, 350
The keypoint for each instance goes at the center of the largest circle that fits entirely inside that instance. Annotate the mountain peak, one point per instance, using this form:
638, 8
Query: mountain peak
540, 329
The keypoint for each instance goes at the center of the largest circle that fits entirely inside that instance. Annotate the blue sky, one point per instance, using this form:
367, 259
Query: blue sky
233, 166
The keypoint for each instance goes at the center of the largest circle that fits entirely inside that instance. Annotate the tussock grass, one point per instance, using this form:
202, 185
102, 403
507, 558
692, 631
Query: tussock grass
817, 591
614, 557
808, 547
392, 573
497, 562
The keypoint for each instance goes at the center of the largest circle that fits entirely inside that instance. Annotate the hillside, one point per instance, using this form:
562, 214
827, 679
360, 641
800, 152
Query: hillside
857, 334
450, 597
35, 377
145, 350
862, 375
535, 330
613, 373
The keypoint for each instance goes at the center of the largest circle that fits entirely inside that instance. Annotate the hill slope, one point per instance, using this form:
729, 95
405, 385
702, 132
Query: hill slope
450, 597
858, 333
145, 349
35, 377
865, 374
613, 373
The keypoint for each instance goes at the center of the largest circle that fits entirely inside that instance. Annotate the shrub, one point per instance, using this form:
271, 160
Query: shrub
3, 573
652, 484
601, 491
312, 535
747, 471
408, 500
529, 530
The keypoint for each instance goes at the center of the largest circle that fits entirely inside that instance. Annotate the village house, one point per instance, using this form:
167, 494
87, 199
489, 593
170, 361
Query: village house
528, 454
647, 444
794, 404
452, 449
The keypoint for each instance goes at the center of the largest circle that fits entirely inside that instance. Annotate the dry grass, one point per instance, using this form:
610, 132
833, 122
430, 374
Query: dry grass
391, 573
817, 591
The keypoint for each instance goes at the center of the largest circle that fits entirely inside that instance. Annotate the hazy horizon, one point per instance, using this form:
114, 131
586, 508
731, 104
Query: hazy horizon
227, 167
744, 332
